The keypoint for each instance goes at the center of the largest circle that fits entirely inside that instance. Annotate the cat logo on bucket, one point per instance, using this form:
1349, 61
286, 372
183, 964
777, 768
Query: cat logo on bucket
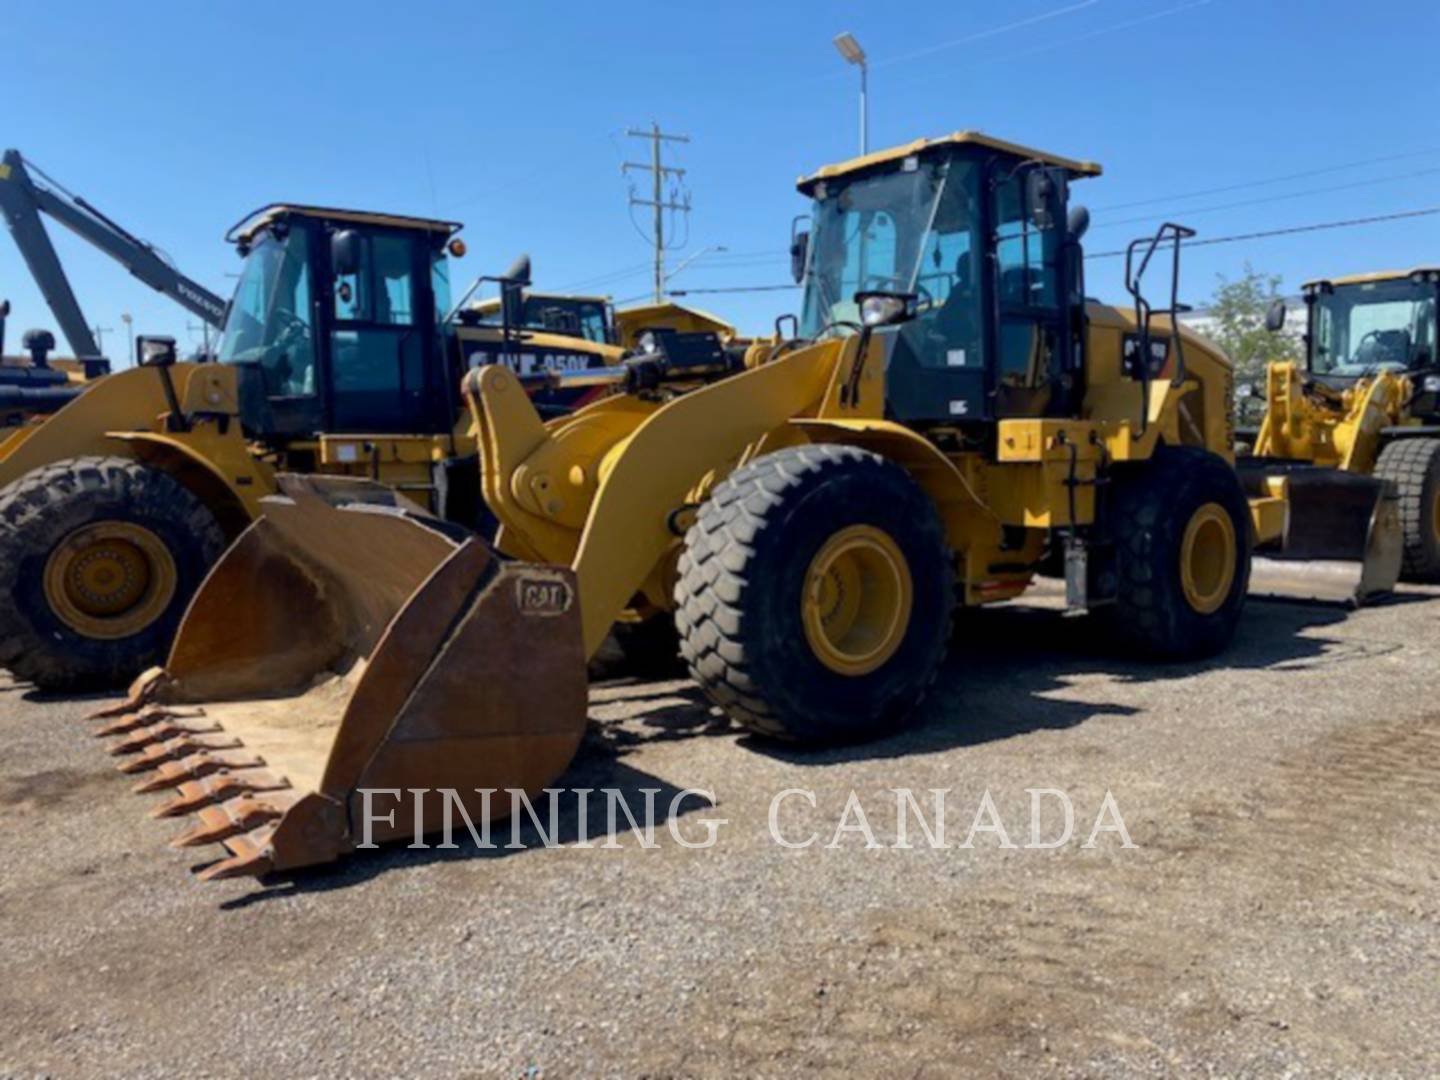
542, 596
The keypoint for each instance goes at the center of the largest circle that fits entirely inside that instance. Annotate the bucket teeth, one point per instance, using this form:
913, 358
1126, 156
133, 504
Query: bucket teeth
145, 717
205, 763
242, 814
250, 856
156, 754
166, 731
144, 689
216, 788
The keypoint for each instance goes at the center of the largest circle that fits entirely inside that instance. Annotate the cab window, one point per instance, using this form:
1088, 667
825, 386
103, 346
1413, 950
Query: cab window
382, 288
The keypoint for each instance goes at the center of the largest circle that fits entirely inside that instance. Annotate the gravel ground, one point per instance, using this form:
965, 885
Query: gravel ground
1279, 911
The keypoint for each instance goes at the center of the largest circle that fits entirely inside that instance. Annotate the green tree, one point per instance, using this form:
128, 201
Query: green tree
1238, 308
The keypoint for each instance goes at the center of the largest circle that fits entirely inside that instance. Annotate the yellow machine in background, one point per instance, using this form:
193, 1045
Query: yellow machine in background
338, 357
809, 520
38, 383
1365, 403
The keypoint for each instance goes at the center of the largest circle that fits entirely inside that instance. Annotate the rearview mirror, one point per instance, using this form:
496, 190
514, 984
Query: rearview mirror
1045, 191
1275, 317
799, 255
345, 252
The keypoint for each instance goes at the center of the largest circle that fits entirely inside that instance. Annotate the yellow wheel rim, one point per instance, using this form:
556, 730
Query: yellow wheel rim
1207, 558
110, 579
857, 600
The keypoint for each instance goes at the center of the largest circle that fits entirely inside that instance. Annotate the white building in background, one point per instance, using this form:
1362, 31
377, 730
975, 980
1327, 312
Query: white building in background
1203, 321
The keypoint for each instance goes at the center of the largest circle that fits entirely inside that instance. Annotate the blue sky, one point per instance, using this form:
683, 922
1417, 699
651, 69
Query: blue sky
179, 118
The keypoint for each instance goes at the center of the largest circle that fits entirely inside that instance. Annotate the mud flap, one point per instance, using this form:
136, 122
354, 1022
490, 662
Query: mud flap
1342, 541
375, 651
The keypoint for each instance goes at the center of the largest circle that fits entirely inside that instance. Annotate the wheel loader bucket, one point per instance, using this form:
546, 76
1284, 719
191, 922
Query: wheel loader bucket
1342, 541
348, 643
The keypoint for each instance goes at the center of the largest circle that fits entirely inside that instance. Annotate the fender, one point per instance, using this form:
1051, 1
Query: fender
217, 468
647, 475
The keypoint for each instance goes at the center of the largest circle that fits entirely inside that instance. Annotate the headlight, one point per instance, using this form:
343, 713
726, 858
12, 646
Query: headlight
155, 351
647, 344
1431, 384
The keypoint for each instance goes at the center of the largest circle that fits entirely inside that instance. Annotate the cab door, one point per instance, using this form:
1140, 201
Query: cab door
383, 375
1033, 373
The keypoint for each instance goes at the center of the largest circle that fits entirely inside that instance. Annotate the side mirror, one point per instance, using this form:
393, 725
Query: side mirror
155, 351
885, 308
345, 257
799, 256
1275, 317
1045, 190
512, 292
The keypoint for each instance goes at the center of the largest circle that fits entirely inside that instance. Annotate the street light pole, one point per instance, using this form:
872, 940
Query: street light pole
850, 49
693, 258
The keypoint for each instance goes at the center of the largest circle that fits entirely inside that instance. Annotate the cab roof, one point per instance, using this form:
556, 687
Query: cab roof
252, 223
806, 184
1373, 277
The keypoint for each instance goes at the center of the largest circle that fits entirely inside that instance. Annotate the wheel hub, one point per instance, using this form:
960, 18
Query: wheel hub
857, 600
1207, 558
110, 579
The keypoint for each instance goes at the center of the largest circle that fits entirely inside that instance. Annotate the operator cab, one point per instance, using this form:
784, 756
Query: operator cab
336, 322
970, 236
1359, 326
586, 317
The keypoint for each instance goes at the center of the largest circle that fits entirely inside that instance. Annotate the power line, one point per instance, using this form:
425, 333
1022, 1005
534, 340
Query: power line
1271, 198
1293, 230
1304, 175
734, 289
1320, 227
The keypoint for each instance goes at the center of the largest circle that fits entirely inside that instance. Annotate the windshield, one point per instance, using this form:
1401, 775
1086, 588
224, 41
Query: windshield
868, 234
564, 315
269, 319
1375, 326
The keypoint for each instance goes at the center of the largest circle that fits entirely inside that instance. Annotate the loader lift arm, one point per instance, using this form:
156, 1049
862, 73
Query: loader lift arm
23, 199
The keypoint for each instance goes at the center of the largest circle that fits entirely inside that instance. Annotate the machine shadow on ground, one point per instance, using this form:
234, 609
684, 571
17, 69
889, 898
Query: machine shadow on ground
595, 769
1005, 662
1003, 665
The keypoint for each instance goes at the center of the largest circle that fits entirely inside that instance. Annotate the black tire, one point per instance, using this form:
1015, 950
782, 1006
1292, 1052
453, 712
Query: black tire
651, 648
1153, 504
743, 571
1414, 466
38, 511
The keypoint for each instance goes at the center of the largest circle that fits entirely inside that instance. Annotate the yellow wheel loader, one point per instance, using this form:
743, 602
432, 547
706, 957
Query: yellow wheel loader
339, 355
809, 520
1355, 432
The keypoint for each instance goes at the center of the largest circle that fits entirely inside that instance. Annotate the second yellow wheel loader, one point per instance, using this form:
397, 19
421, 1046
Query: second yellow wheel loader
1365, 409
339, 355
809, 520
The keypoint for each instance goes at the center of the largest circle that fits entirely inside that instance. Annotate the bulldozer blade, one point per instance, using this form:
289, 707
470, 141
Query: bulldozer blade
1342, 542
358, 651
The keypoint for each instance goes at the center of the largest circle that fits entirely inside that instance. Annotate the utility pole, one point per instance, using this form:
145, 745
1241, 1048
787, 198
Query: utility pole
658, 203
129, 334
203, 329
100, 332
